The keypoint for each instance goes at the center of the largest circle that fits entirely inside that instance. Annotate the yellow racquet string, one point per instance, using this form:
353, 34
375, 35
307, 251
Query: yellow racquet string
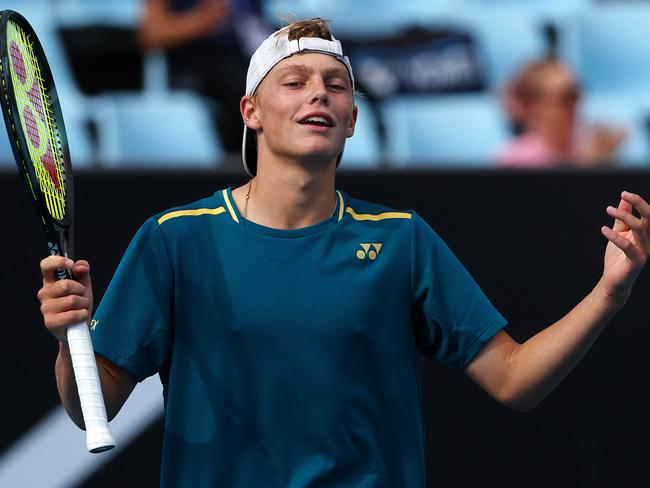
37, 120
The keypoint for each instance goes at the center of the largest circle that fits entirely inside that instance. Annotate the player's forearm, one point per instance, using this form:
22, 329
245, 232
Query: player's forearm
116, 386
65, 382
538, 365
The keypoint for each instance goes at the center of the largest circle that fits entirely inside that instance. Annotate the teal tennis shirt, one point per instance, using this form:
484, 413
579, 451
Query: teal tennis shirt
289, 357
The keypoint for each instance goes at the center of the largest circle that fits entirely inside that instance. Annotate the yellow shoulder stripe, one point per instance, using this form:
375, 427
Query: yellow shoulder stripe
230, 209
191, 213
381, 216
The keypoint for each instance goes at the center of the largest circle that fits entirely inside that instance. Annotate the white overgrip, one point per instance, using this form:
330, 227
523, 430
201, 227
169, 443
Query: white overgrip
98, 435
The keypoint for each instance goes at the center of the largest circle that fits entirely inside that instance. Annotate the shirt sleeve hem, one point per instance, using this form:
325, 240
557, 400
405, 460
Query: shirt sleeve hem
481, 339
119, 359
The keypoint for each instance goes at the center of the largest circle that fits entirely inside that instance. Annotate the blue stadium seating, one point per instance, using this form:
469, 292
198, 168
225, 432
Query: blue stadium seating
156, 131
603, 40
547, 9
359, 18
122, 13
609, 46
362, 150
506, 39
446, 130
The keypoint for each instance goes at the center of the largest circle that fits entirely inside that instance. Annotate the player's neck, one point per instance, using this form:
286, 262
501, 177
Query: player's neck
287, 197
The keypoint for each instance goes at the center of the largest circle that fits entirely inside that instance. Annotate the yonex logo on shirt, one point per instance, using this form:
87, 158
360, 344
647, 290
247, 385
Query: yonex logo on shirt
365, 250
93, 323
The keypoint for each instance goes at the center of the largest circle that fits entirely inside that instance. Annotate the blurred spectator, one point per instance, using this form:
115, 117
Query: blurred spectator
542, 102
208, 44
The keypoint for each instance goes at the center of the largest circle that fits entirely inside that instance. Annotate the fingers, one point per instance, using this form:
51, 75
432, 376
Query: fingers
67, 301
639, 203
619, 224
81, 272
59, 313
70, 303
60, 289
51, 264
625, 220
633, 253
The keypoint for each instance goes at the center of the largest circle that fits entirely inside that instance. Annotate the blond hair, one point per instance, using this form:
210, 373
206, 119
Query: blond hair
315, 27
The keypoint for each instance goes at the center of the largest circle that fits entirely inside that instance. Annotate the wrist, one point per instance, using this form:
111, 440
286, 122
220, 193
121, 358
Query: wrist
64, 349
607, 300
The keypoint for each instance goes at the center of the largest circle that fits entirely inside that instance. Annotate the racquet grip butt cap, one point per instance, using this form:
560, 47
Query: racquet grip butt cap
99, 442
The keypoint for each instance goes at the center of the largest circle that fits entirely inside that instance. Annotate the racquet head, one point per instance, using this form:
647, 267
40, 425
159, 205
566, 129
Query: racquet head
34, 122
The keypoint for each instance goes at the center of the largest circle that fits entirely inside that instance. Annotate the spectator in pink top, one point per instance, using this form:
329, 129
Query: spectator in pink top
543, 101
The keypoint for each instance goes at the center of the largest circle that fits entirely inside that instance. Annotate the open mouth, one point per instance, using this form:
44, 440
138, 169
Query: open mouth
320, 120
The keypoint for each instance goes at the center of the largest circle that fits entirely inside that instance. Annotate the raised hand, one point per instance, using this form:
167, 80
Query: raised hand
65, 302
629, 246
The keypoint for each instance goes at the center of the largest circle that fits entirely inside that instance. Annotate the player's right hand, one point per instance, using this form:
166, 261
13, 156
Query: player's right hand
65, 302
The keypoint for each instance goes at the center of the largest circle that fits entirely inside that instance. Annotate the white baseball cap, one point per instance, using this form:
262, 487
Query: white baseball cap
274, 49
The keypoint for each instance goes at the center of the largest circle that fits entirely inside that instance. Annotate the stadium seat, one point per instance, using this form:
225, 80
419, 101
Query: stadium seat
156, 131
362, 150
449, 130
74, 13
358, 18
628, 112
609, 46
77, 121
506, 38
549, 10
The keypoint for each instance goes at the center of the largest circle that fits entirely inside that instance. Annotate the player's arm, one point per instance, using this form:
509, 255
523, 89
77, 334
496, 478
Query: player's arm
65, 302
521, 375
161, 28
117, 385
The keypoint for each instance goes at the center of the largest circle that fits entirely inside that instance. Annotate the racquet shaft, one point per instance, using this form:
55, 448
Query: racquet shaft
98, 436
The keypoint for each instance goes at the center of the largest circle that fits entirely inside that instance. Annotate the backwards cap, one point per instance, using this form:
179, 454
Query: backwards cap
274, 49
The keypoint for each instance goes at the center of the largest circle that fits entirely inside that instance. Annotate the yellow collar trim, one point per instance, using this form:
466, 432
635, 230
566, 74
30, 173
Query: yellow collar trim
381, 216
341, 205
192, 213
229, 205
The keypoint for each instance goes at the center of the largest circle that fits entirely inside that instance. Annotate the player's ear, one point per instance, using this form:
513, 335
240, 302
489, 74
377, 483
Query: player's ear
249, 111
353, 121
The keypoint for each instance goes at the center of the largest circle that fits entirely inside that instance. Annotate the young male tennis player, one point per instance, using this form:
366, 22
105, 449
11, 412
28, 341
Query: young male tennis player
285, 316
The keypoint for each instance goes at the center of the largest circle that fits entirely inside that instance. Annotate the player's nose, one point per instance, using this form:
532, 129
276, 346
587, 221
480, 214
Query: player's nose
319, 91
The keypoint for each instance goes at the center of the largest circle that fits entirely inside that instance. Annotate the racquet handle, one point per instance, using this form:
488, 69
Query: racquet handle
98, 436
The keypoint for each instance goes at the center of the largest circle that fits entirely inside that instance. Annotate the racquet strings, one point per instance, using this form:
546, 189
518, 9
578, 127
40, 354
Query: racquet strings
42, 134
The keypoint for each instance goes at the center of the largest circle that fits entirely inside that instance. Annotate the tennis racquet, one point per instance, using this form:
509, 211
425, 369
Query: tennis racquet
34, 121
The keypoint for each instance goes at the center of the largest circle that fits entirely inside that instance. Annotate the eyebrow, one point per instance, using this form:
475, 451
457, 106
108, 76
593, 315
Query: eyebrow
309, 70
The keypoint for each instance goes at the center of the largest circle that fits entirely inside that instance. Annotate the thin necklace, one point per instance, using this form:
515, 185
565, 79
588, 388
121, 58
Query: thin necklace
248, 194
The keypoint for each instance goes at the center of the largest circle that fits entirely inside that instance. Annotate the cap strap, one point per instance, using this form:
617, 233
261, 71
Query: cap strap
315, 44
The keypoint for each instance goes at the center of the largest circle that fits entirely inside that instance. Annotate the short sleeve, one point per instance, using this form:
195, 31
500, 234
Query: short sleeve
132, 326
451, 316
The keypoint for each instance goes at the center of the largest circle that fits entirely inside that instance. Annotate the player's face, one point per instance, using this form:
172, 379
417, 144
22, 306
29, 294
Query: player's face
305, 109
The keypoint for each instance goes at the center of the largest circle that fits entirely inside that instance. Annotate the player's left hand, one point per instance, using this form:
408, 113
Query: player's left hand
628, 248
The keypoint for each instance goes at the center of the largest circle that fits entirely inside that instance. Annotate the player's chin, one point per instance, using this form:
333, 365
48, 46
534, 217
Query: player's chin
322, 144
321, 154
